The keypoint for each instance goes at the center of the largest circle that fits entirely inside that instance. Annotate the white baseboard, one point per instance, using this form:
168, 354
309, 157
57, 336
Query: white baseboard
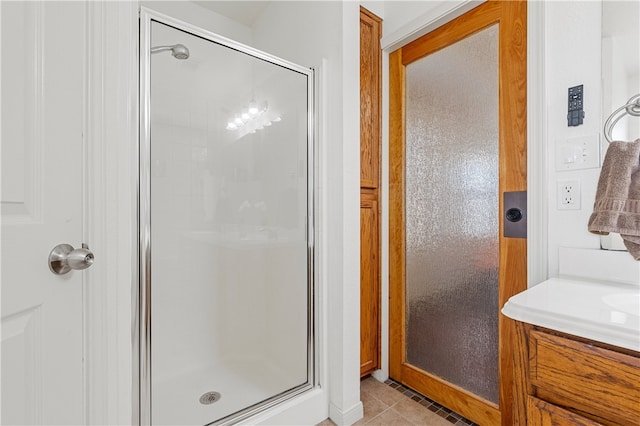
381, 375
310, 408
348, 417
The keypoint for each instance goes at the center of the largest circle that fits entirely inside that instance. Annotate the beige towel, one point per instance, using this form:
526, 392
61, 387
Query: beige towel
617, 205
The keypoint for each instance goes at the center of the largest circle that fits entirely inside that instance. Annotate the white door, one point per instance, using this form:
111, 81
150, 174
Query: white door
43, 64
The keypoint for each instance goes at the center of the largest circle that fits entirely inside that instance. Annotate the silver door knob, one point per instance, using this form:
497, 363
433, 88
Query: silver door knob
64, 258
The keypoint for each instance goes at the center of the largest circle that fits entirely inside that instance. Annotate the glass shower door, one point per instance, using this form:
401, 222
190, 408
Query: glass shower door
226, 209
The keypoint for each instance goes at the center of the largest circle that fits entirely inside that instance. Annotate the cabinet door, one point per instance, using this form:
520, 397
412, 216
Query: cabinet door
370, 95
369, 284
370, 88
541, 413
585, 378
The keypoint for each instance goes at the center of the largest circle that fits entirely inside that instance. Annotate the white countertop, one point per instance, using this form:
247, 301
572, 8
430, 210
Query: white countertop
605, 312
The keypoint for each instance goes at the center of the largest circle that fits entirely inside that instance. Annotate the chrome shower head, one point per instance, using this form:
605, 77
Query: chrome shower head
179, 51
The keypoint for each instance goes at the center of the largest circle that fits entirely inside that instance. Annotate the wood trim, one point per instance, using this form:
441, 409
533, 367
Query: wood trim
454, 397
396, 215
512, 17
468, 24
513, 177
521, 384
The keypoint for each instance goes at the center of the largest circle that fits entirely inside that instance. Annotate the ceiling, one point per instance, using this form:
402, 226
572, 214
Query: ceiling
244, 12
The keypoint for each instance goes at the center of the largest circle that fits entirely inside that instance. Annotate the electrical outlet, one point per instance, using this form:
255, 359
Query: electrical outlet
569, 195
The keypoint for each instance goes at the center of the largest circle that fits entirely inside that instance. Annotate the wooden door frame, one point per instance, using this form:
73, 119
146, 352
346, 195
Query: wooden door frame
512, 17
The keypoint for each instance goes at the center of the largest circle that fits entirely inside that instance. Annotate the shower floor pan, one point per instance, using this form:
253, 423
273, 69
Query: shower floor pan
240, 384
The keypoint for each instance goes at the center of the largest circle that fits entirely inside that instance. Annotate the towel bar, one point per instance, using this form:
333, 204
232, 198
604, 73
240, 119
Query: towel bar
632, 107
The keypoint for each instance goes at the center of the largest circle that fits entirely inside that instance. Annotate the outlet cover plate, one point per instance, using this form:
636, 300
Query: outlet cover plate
569, 197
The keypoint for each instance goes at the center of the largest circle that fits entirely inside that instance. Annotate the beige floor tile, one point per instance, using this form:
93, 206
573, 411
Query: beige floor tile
369, 384
367, 396
419, 414
437, 421
381, 391
372, 407
416, 413
390, 417
385, 406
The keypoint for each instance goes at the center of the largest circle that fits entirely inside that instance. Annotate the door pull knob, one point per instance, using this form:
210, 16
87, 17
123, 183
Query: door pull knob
64, 258
514, 214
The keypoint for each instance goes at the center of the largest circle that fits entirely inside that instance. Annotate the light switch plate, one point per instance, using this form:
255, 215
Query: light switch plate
578, 153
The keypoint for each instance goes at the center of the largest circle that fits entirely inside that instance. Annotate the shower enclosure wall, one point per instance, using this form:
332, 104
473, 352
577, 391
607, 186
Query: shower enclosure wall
226, 227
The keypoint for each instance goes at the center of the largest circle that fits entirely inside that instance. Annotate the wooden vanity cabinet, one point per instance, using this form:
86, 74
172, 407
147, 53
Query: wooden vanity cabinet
566, 380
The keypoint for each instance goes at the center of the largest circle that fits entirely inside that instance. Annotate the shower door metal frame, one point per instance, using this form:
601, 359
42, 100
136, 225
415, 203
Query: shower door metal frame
142, 294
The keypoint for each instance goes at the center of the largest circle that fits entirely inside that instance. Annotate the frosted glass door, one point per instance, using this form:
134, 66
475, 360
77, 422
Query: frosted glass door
451, 210
230, 281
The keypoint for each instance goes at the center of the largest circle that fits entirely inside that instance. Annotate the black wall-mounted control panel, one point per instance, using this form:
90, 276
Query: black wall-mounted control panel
575, 115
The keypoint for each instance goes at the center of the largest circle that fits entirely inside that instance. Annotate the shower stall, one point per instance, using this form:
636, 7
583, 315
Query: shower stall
226, 312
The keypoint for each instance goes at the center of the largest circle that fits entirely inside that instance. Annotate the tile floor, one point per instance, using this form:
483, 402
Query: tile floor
391, 404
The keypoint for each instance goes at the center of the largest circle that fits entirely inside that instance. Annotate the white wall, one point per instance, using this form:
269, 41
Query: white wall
202, 17
572, 39
374, 6
401, 15
405, 21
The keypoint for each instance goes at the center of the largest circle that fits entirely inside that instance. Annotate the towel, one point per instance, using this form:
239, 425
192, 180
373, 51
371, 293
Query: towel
617, 205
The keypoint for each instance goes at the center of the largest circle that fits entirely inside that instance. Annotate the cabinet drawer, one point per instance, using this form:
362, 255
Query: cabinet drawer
542, 413
599, 383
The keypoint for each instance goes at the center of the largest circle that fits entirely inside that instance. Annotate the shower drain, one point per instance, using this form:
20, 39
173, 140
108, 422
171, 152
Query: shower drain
210, 398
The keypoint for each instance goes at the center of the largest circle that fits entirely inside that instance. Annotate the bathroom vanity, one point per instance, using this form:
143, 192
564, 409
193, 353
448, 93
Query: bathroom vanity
578, 357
